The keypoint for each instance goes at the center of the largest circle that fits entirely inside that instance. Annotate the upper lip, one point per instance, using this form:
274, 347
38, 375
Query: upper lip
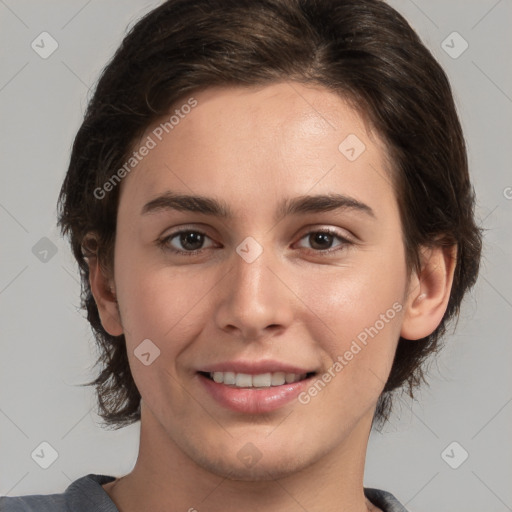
255, 367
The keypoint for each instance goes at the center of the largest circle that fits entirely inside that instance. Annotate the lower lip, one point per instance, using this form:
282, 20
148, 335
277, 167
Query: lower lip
253, 400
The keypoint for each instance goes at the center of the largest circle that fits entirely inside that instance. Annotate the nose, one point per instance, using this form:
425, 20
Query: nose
255, 299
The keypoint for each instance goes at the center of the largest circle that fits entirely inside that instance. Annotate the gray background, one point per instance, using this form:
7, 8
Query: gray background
46, 346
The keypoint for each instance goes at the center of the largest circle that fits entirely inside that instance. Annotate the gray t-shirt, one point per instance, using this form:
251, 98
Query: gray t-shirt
87, 495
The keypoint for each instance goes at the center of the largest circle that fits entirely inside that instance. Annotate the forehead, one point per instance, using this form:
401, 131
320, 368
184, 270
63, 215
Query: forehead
269, 117
251, 144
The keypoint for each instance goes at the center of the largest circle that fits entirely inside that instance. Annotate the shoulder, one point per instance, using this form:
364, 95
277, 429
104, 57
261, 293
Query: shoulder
34, 503
384, 500
83, 495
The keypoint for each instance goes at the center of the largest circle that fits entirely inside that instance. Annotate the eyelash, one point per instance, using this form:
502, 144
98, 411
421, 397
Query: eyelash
164, 242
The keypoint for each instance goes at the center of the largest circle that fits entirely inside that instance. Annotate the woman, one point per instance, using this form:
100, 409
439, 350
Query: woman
273, 233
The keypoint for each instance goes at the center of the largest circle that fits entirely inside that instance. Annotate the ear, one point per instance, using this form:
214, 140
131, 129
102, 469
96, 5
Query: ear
429, 292
104, 293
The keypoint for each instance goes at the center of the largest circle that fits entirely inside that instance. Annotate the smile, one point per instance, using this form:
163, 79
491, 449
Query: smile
257, 392
262, 380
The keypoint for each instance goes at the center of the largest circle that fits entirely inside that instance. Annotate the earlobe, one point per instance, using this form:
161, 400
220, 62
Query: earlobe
429, 292
103, 290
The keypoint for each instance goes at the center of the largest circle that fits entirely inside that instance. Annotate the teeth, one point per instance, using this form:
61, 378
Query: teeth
289, 377
262, 380
229, 378
278, 379
242, 380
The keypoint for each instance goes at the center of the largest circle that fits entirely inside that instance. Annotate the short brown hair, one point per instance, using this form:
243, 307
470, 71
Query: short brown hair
361, 49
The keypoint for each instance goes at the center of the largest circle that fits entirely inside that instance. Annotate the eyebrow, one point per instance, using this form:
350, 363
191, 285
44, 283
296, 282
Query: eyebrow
289, 206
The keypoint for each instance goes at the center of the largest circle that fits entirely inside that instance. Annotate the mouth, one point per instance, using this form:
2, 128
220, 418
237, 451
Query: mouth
256, 392
260, 380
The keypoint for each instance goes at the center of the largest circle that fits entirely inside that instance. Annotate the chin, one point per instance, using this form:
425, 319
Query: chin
233, 469
251, 465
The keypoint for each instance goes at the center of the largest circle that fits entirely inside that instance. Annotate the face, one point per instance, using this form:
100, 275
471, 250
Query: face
273, 304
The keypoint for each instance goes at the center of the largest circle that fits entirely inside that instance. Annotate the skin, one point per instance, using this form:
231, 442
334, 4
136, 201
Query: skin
251, 148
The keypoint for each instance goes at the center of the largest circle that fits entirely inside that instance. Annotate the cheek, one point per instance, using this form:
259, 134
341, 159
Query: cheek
356, 316
358, 342
161, 305
159, 302
344, 301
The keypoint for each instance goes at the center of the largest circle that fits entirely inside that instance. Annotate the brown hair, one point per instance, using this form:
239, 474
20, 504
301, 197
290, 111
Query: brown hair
361, 49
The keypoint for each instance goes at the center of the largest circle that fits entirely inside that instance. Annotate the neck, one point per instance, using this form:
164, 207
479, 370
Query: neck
165, 478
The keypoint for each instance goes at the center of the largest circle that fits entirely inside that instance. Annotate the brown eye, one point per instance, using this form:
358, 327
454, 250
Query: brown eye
186, 242
321, 240
324, 241
191, 241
